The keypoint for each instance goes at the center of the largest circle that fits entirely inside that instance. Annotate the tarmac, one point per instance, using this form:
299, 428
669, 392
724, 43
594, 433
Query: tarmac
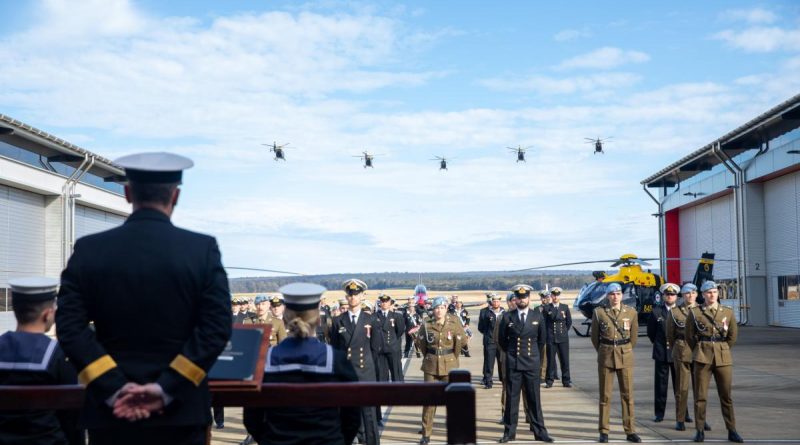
766, 395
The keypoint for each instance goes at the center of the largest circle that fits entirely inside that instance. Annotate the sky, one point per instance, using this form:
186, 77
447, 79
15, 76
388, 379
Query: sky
407, 81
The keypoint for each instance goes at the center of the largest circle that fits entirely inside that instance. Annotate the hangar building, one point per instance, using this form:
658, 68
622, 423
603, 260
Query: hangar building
739, 198
51, 193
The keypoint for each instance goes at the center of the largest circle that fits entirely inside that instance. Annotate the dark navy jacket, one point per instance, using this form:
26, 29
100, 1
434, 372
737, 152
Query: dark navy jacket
559, 322
522, 344
657, 332
360, 343
392, 329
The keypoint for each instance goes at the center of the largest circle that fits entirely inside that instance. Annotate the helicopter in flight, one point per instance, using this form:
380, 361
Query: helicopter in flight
520, 151
278, 150
367, 159
442, 162
598, 144
640, 287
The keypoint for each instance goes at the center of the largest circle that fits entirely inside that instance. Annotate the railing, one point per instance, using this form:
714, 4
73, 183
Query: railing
458, 396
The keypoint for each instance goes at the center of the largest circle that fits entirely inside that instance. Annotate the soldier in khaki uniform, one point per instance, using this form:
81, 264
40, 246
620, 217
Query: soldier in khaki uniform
682, 354
263, 316
615, 328
711, 332
544, 297
440, 341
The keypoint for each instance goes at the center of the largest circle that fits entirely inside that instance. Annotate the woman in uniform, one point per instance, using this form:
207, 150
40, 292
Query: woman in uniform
302, 358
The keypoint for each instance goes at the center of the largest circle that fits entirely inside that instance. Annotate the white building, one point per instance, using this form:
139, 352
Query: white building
739, 198
51, 193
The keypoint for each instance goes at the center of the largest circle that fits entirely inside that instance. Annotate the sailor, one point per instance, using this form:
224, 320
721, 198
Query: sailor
411, 321
662, 349
263, 315
29, 357
559, 322
301, 358
393, 329
522, 334
544, 303
615, 329
159, 299
358, 335
682, 355
711, 332
440, 340
489, 317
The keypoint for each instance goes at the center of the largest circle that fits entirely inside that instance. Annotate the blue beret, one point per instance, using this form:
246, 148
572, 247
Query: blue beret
261, 298
439, 301
708, 285
688, 287
613, 287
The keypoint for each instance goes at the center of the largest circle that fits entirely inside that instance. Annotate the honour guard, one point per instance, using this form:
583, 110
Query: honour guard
522, 334
264, 316
158, 296
682, 355
358, 335
711, 332
544, 303
662, 349
615, 329
393, 328
440, 340
29, 357
559, 322
412, 321
489, 317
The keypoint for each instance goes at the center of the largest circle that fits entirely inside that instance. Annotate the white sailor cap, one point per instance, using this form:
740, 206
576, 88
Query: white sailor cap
33, 289
302, 296
154, 167
354, 286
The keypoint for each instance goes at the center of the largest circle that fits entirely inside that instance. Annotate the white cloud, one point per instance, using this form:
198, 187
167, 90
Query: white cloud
567, 35
550, 85
761, 39
604, 58
753, 16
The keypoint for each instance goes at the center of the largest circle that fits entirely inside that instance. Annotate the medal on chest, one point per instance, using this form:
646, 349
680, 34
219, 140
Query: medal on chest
368, 328
449, 335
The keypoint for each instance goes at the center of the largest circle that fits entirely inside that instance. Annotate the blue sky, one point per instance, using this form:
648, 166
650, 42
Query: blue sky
409, 81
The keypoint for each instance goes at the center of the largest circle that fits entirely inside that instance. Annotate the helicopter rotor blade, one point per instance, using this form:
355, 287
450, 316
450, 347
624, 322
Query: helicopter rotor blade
550, 266
256, 269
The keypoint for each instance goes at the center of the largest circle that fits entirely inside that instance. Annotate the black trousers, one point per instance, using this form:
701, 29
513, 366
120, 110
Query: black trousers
368, 430
390, 366
562, 350
490, 356
662, 374
172, 435
409, 344
528, 381
219, 414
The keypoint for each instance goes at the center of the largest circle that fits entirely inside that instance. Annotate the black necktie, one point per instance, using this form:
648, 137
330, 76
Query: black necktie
522, 318
354, 319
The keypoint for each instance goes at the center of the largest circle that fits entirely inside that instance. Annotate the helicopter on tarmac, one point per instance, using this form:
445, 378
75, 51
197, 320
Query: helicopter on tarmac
520, 151
367, 159
442, 162
277, 149
640, 288
598, 144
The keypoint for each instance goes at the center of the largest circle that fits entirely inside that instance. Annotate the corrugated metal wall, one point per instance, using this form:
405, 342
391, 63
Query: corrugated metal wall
22, 235
89, 221
709, 227
782, 243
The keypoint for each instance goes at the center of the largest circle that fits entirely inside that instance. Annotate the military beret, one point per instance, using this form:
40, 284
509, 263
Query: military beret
354, 286
688, 287
510, 296
154, 168
669, 288
439, 301
33, 289
556, 291
301, 296
522, 290
613, 287
708, 285
261, 298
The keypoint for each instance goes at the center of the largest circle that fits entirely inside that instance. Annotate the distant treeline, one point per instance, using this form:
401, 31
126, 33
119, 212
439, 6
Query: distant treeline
439, 281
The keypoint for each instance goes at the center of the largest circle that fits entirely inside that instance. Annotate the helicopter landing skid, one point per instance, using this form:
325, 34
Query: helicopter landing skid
588, 324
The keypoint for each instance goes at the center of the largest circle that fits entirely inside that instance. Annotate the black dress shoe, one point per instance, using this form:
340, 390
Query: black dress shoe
507, 438
658, 419
545, 438
219, 426
549, 385
689, 419
733, 436
247, 440
568, 385
603, 438
707, 427
425, 440
680, 426
633, 438
699, 436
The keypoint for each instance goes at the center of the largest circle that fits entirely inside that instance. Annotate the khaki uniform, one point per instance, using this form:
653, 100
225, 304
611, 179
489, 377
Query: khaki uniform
278, 332
543, 370
614, 335
440, 345
681, 358
711, 332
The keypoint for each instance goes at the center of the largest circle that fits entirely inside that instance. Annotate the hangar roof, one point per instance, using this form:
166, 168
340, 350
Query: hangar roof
777, 121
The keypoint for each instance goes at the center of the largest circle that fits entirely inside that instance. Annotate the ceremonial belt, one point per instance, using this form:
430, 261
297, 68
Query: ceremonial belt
441, 352
606, 341
712, 338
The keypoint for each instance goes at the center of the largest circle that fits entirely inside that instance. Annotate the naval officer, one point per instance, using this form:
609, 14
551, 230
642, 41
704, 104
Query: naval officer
559, 321
662, 349
393, 329
158, 296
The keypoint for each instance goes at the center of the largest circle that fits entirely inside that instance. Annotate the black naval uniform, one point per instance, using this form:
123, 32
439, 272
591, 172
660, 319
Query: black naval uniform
324, 327
411, 320
159, 299
486, 325
307, 360
523, 343
360, 344
390, 359
662, 355
559, 322
36, 359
